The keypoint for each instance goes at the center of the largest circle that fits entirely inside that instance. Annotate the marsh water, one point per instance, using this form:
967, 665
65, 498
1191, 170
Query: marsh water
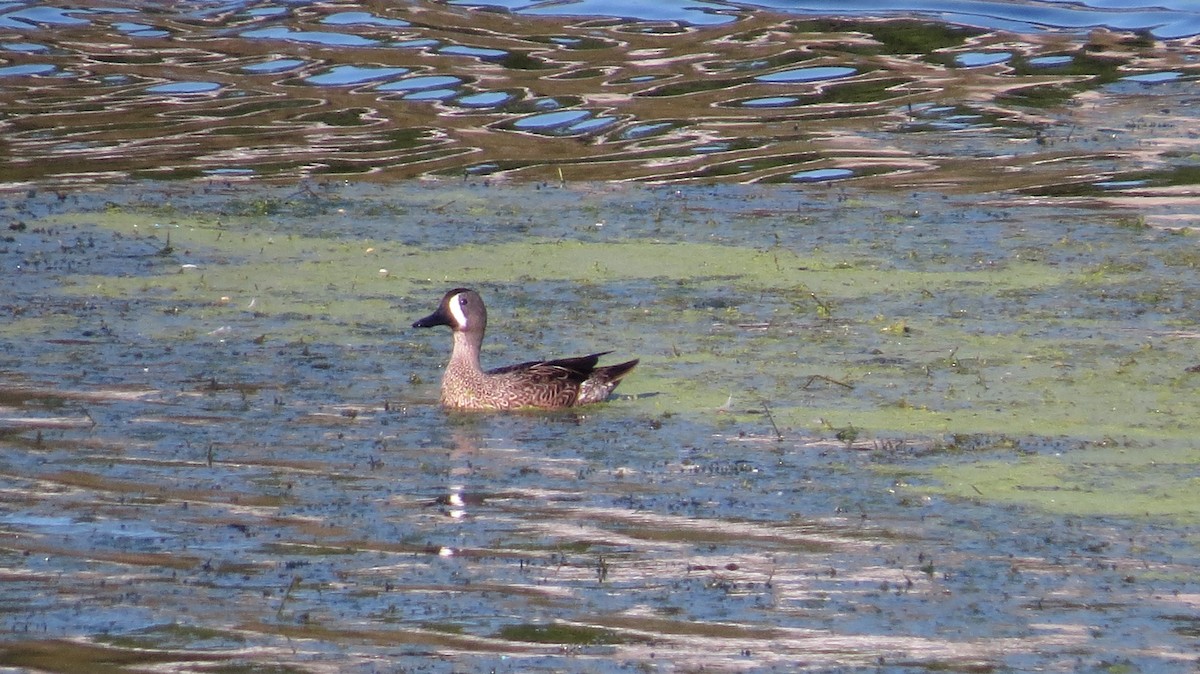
914, 302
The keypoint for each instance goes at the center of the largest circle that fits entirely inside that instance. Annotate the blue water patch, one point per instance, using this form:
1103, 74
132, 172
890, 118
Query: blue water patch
551, 120
421, 82
36, 16
340, 76
267, 11
820, 175
770, 102
311, 37
711, 147
420, 43
430, 95
275, 66
1119, 184
1153, 78
90, 527
365, 18
26, 47
27, 70
591, 125
140, 29
637, 79
230, 172
484, 99
814, 74
184, 88
1050, 61
644, 130
547, 104
976, 59
480, 52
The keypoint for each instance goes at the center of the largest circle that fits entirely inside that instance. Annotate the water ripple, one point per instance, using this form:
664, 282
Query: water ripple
735, 95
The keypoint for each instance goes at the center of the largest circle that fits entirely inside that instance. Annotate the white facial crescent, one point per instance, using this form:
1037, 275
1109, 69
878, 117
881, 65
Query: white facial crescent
457, 312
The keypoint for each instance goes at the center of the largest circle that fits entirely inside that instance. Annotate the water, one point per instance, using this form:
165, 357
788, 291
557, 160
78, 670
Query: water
423, 82
807, 75
679, 92
868, 430
1167, 20
914, 303
350, 75
976, 59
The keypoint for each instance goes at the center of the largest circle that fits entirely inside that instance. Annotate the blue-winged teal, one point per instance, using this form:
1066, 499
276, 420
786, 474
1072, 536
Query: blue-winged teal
549, 384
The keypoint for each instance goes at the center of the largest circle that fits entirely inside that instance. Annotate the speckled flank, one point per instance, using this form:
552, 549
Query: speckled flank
552, 384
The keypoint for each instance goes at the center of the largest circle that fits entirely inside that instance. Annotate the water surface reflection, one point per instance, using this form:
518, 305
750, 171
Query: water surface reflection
684, 92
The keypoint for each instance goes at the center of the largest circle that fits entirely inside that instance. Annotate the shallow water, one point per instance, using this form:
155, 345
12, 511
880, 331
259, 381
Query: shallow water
929, 433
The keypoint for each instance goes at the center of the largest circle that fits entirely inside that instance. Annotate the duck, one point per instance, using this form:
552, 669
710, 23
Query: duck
539, 384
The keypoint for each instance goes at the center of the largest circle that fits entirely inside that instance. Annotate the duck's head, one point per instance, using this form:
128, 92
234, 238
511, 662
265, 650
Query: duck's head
462, 309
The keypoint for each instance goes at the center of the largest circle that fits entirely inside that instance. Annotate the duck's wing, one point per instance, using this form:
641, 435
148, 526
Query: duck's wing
566, 382
574, 369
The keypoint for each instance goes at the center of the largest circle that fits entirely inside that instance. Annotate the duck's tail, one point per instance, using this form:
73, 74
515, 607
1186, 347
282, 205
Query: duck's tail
602, 381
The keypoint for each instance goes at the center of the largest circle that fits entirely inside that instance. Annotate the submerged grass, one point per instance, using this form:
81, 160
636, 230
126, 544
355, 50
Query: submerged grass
1111, 480
67, 657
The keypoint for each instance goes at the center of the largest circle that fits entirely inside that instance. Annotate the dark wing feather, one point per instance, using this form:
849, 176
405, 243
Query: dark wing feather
576, 369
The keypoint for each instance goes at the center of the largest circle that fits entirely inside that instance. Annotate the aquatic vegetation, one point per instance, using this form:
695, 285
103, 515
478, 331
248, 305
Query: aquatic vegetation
836, 387
938, 340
